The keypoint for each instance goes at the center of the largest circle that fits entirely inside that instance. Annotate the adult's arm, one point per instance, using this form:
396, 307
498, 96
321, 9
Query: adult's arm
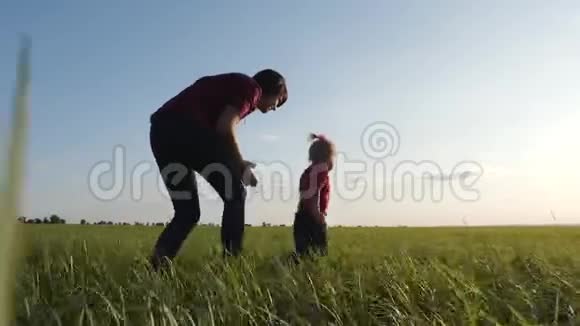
241, 94
225, 127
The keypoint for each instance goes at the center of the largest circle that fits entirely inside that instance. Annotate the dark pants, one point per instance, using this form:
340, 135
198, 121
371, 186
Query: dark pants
180, 148
309, 236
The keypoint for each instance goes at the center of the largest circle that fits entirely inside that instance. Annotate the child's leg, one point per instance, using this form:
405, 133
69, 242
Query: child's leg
320, 239
301, 237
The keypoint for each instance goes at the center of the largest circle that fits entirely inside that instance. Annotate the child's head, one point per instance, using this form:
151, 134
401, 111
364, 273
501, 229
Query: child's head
321, 150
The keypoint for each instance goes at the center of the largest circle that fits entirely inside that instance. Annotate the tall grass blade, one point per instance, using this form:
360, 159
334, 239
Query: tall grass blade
10, 185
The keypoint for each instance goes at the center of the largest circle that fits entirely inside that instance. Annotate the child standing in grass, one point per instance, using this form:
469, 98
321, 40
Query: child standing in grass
310, 218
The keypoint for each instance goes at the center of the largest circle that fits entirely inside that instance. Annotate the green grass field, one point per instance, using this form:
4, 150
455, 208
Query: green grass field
97, 275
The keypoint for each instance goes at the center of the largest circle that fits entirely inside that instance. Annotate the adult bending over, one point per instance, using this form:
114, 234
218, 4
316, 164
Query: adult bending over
195, 132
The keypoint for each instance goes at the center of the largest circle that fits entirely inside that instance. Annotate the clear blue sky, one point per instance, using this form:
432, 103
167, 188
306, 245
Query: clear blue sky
492, 82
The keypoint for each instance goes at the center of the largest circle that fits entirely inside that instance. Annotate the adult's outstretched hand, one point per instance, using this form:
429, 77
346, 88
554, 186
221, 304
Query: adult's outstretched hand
249, 164
248, 176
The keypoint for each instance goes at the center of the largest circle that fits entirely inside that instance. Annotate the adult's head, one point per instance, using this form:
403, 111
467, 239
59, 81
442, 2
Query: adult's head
274, 90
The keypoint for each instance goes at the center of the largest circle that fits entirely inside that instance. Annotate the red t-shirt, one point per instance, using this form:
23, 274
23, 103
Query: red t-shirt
205, 100
315, 180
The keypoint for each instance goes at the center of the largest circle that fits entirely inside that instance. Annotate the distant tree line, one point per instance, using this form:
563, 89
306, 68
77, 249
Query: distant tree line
55, 219
84, 222
52, 219
267, 225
